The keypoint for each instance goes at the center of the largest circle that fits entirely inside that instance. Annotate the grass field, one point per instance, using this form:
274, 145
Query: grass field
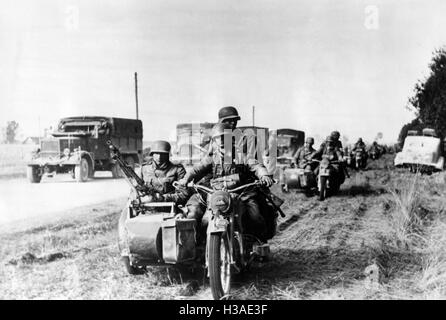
382, 237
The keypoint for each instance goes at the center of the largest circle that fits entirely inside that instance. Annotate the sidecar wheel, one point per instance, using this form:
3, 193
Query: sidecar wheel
219, 266
323, 189
131, 269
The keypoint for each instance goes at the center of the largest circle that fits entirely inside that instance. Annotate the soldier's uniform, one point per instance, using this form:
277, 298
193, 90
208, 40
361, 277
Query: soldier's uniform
337, 144
250, 206
161, 177
334, 154
359, 145
303, 155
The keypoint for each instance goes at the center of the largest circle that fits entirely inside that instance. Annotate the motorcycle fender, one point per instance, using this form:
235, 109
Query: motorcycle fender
214, 227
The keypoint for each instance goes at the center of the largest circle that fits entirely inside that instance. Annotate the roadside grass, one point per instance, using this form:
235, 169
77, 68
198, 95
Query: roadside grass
433, 278
405, 218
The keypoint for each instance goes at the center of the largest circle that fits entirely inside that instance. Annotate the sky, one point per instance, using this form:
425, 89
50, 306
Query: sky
317, 66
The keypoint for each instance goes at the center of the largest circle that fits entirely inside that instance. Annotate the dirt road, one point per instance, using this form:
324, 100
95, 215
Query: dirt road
20, 199
346, 247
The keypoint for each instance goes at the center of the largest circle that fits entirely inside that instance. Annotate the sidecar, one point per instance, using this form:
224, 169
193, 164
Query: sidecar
297, 178
150, 235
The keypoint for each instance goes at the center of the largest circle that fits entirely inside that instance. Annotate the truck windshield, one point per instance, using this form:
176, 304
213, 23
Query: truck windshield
78, 126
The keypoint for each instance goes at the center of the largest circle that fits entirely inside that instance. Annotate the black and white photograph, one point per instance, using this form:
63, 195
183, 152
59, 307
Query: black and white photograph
243, 150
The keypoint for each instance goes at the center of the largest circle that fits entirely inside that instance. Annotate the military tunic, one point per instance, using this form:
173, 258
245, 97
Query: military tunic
161, 178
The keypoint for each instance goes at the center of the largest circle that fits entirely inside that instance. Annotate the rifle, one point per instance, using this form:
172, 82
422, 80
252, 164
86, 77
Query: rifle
135, 181
271, 197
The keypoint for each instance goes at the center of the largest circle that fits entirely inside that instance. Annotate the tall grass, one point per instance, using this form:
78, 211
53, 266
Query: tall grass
405, 220
433, 279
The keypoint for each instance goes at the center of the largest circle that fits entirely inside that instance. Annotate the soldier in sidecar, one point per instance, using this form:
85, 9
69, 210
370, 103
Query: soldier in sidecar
301, 174
149, 232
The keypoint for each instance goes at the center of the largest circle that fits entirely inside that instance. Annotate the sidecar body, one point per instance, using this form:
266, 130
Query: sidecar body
155, 237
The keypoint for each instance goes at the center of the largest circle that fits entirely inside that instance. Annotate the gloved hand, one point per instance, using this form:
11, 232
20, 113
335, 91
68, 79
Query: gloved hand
158, 197
183, 182
144, 199
180, 216
141, 188
267, 181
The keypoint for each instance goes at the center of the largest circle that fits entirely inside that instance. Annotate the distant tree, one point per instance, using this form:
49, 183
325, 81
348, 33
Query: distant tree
11, 131
429, 99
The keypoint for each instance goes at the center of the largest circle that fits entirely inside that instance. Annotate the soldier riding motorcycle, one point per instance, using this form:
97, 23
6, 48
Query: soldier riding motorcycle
240, 213
374, 151
360, 155
331, 171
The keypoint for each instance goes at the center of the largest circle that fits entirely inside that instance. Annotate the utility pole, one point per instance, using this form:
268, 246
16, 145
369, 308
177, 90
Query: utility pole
253, 115
136, 95
39, 133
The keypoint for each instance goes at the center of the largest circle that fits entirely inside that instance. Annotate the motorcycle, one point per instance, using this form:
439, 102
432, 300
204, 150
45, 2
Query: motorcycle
157, 234
348, 159
229, 249
360, 158
374, 154
328, 181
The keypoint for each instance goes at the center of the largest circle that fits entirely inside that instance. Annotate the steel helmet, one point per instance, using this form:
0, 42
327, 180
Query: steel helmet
228, 113
221, 129
160, 146
309, 140
335, 135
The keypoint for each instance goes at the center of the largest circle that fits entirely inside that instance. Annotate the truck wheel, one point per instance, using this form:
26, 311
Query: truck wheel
91, 173
33, 174
81, 171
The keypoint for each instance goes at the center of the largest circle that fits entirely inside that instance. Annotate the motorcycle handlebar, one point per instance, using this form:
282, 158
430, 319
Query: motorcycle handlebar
209, 190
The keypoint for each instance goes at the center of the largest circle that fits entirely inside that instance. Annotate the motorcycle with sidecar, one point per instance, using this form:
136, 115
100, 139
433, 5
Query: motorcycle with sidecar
152, 234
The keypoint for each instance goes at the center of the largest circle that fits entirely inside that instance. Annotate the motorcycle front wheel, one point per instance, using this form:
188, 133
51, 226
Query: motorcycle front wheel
323, 188
219, 266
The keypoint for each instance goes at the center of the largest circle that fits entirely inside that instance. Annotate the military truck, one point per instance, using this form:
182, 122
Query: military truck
78, 146
192, 142
288, 142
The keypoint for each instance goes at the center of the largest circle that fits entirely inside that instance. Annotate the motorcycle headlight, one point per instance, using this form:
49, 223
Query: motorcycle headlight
66, 152
325, 162
220, 201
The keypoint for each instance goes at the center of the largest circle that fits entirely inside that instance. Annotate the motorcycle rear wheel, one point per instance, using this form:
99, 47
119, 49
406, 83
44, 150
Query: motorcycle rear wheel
219, 266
